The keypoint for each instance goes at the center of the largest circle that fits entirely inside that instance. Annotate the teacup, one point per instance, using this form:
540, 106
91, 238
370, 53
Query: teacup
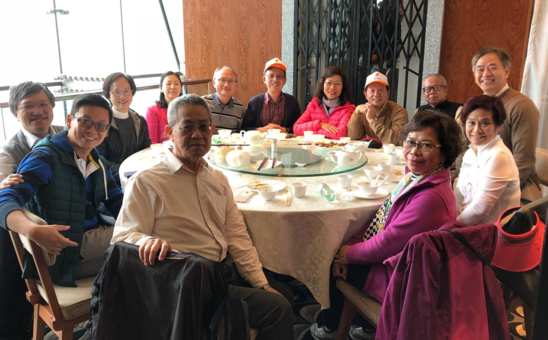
281, 136
394, 159
267, 192
157, 149
345, 181
385, 165
236, 138
224, 133
345, 139
388, 148
274, 132
366, 188
308, 134
299, 189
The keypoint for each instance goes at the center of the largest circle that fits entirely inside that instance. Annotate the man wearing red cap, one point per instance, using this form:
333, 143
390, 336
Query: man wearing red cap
379, 118
273, 109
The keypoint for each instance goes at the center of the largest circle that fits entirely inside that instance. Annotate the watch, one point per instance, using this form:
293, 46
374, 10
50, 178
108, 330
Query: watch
265, 287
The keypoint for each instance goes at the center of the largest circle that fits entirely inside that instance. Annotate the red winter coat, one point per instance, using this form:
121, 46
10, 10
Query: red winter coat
314, 114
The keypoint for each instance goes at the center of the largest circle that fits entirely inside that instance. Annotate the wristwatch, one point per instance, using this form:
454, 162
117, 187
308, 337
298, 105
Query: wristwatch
265, 287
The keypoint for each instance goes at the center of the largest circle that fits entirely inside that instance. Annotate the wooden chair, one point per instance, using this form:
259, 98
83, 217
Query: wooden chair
541, 165
59, 307
356, 301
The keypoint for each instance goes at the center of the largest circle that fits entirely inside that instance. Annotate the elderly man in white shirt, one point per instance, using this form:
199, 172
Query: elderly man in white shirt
182, 204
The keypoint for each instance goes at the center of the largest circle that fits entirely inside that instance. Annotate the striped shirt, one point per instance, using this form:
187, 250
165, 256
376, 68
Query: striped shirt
227, 116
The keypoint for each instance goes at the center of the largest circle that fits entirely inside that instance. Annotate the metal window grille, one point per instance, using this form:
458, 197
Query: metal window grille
361, 37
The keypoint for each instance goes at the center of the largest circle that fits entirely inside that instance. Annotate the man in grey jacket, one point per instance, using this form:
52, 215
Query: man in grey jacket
32, 104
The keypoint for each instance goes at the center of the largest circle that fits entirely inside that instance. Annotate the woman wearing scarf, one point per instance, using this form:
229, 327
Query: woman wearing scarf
330, 110
422, 201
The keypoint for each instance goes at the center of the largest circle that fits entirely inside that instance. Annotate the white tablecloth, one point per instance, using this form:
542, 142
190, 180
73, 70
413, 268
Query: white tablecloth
301, 239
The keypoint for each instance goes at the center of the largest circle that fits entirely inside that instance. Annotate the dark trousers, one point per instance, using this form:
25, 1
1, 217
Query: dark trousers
15, 310
356, 276
270, 313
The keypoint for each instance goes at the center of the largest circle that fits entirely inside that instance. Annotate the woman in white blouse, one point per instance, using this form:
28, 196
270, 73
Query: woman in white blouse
488, 183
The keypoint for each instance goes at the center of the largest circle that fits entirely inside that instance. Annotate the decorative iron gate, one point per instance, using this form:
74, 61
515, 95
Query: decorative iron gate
360, 36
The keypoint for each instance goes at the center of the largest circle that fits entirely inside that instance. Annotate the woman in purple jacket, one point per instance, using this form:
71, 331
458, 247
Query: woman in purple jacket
330, 110
422, 201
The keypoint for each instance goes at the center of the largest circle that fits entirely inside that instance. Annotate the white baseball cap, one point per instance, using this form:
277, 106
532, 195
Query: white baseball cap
376, 77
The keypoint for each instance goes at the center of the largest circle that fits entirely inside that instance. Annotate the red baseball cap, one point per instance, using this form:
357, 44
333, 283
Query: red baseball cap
518, 252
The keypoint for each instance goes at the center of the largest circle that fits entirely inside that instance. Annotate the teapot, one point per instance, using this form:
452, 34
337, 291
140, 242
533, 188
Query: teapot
345, 158
253, 136
357, 147
238, 158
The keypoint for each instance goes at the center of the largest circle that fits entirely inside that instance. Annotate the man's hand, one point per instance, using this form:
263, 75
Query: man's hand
341, 255
339, 270
150, 247
271, 126
11, 180
329, 128
371, 112
272, 290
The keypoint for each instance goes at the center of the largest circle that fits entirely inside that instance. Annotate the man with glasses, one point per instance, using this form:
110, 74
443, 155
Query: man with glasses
379, 118
32, 105
491, 67
65, 180
273, 109
226, 111
435, 93
204, 220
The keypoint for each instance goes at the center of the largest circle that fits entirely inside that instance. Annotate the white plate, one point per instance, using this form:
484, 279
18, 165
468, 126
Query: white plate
381, 193
276, 185
392, 176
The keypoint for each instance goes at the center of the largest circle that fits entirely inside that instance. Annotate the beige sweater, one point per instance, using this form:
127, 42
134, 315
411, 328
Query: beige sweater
386, 128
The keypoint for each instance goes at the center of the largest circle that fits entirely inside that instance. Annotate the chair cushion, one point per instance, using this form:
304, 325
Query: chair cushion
74, 301
366, 304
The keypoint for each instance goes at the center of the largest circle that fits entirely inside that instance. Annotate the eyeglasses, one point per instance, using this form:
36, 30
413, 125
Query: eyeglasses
87, 124
227, 81
187, 129
277, 76
329, 84
121, 93
32, 107
424, 147
436, 88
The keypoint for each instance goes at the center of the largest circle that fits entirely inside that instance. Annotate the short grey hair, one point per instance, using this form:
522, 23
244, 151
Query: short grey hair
187, 99
219, 69
503, 55
25, 90
436, 75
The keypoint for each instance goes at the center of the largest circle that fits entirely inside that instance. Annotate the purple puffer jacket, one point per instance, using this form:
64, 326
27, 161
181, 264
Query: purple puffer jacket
314, 114
425, 207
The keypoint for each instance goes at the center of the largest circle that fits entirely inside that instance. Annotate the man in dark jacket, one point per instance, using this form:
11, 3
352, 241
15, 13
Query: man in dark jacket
65, 180
435, 93
273, 109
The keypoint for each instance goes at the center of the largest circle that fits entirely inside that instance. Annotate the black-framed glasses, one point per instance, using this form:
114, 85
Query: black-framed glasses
227, 81
424, 147
436, 88
88, 123
187, 129
121, 93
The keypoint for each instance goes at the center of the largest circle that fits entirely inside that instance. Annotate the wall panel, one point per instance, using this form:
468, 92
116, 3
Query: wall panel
469, 25
242, 34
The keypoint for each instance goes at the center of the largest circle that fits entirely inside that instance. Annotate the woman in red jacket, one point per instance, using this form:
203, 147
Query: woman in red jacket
330, 110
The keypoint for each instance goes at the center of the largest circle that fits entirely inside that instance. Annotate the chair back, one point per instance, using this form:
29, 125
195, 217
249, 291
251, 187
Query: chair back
541, 166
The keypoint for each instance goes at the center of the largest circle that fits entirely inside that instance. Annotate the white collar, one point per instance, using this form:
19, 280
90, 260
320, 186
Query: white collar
506, 87
31, 139
120, 115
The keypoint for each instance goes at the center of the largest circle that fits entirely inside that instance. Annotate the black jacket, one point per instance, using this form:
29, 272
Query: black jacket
252, 117
184, 298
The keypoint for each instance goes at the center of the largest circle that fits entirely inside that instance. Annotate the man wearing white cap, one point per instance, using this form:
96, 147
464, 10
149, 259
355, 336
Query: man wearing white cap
379, 118
273, 109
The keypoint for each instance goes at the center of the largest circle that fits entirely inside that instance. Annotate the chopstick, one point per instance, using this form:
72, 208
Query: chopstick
273, 163
262, 163
289, 197
304, 144
229, 144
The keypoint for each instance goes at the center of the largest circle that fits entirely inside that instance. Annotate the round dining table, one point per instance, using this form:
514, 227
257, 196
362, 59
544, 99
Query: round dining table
296, 236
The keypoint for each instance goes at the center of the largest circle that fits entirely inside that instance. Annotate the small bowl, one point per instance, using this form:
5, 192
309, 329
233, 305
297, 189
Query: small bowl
372, 171
345, 139
385, 165
267, 192
366, 188
317, 138
281, 136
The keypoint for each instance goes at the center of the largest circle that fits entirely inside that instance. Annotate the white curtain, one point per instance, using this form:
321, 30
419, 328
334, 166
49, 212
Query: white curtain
535, 74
